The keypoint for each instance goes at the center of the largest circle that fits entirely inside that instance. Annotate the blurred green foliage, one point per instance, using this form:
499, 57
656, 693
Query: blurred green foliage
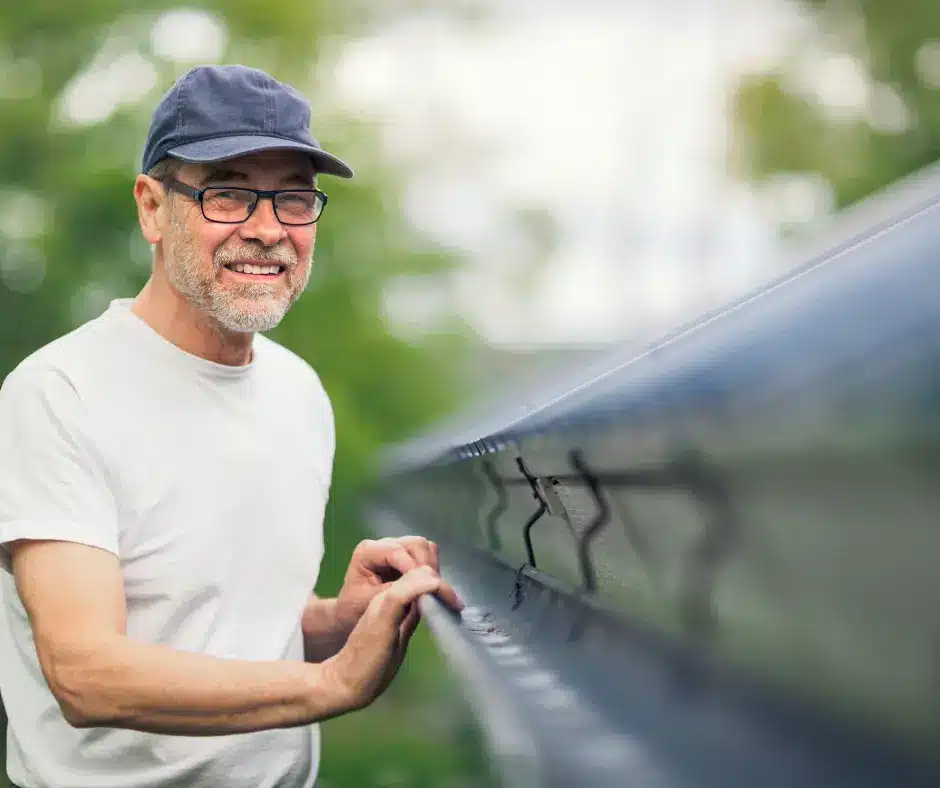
69, 243
783, 128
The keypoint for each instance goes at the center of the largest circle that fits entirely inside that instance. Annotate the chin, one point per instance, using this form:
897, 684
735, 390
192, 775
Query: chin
256, 318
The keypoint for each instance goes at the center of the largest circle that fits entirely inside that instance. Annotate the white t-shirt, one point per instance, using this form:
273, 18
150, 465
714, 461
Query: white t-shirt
209, 482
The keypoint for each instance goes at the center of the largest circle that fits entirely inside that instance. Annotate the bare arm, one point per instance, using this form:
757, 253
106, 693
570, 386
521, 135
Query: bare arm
74, 597
324, 632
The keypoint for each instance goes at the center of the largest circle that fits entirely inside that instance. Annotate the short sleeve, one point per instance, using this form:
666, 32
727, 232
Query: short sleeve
53, 480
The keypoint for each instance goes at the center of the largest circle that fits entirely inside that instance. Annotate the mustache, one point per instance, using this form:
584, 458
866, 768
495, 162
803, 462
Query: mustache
263, 254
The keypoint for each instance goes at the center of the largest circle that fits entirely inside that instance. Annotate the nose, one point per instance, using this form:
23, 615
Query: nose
263, 225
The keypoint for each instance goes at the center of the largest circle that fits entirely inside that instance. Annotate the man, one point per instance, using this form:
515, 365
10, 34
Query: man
163, 478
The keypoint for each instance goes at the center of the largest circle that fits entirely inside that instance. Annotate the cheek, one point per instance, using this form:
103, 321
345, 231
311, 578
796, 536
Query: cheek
302, 239
209, 238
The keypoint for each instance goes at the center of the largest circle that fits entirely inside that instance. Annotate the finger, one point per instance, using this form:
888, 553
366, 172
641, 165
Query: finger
385, 554
408, 588
449, 597
422, 550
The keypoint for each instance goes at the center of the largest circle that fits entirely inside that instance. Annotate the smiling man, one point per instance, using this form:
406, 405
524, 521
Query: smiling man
164, 471
257, 215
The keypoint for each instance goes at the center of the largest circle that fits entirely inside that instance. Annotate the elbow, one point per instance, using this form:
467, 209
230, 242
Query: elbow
74, 716
80, 697
76, 699
73, 702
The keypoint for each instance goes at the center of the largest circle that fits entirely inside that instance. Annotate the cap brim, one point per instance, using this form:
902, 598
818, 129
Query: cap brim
221, 148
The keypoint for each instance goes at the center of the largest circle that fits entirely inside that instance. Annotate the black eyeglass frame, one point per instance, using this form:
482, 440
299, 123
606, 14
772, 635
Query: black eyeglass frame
261, 194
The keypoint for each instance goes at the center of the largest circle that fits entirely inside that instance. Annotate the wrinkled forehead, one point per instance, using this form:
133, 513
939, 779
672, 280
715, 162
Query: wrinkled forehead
266, 170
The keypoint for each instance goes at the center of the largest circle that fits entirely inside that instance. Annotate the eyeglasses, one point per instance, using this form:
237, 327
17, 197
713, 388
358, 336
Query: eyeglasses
231, 205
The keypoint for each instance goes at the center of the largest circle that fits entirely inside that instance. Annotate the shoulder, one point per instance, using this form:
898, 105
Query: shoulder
60, 365
39, 394
40, 374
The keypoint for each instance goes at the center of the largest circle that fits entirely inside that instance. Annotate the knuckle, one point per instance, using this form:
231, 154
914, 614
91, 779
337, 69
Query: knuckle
404, 557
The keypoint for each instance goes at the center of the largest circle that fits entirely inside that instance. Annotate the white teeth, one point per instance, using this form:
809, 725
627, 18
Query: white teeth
247, 268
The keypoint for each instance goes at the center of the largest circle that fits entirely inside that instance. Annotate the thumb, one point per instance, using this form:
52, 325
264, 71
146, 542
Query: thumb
409, 625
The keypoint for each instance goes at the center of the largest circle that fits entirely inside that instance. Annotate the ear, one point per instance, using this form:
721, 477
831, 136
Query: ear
151, 206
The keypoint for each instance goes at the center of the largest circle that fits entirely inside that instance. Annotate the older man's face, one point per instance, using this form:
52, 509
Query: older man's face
244, 276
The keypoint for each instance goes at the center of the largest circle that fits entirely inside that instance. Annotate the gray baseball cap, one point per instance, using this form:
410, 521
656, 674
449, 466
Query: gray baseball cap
219, 112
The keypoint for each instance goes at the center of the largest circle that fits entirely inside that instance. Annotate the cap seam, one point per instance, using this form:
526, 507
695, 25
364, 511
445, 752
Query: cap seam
180, 125
269, 107
274, 116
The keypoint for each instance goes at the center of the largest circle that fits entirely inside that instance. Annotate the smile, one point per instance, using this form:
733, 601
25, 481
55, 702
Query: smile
259, 270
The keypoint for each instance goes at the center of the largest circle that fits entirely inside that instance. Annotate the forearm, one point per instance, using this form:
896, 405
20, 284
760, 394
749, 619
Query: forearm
128, 684
324, 631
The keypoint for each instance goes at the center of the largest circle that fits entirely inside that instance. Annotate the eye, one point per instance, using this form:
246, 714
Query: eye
227, 205
304, 205
293, 198
229, 194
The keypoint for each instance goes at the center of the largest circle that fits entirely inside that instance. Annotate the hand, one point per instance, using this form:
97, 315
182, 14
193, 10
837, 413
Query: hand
377, 563
374, 651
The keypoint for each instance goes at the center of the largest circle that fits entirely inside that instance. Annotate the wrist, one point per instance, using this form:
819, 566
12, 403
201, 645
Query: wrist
335, 687
325, 691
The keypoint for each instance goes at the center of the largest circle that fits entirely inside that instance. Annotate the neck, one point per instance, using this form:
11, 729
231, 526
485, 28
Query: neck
178, 321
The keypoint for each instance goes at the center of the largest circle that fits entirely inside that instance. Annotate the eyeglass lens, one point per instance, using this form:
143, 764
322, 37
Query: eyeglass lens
235, 205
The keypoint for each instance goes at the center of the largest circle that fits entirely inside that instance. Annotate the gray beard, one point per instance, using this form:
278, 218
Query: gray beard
245, 307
